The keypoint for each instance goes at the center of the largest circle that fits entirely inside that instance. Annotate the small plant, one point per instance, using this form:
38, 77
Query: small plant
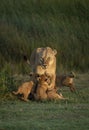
7, 83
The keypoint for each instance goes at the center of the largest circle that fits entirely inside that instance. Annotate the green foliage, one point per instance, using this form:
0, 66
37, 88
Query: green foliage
10, 82
7, 83
60, 24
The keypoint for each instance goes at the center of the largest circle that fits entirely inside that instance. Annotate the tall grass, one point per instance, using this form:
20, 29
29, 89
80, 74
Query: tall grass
60, 24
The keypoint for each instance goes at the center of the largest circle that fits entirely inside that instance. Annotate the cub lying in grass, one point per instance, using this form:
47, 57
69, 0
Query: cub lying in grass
66, 80
52, 94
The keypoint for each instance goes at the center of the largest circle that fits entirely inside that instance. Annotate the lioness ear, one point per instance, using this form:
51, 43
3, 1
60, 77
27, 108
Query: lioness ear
37, 75
31, 74
55, 51
39, 49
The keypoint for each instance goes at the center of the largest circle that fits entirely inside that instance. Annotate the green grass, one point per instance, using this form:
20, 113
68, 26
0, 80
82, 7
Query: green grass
44, 116
49, 115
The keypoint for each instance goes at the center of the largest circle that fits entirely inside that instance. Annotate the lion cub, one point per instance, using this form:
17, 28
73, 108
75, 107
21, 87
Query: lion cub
52, 94
42, 87
66, 80
26, 88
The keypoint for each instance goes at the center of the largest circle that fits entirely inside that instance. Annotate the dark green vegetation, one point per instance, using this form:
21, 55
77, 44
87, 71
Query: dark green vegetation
71, 114
60, 24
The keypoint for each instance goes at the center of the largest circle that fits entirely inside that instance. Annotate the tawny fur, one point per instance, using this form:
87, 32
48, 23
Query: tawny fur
42, 88
28, 87
66, 80
52, 94
43, 93
25, 90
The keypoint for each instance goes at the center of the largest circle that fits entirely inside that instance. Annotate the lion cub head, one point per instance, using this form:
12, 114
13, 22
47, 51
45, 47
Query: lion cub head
44, 79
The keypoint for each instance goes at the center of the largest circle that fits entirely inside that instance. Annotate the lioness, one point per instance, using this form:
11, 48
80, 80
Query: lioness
43, 60
66, 80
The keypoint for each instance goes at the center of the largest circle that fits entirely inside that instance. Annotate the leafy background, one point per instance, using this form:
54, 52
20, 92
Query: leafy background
60, 24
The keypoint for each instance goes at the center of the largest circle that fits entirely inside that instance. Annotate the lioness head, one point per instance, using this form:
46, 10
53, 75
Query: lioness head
46, 56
